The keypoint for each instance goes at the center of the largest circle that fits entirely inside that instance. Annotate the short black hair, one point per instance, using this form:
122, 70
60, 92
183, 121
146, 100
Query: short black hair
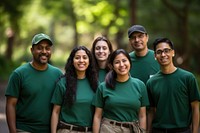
162, 39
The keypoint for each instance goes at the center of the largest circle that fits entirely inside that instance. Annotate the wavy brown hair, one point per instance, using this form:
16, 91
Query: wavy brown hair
101, 38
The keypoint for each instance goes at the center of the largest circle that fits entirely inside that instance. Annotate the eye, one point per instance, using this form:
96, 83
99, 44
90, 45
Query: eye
124, 60
105, 48
116, 62
97, 48
158, 51
85, 57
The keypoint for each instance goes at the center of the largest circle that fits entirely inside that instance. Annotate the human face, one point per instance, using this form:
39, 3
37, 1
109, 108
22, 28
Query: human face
81, 61
121, 65
41, 53
164, 54
101, 51
139, 41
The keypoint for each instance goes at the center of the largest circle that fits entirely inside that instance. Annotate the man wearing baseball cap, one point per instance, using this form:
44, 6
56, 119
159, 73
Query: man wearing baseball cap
29, 90
144, 64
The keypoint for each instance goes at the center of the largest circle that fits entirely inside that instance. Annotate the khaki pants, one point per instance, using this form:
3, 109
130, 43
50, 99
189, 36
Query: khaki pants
64, 130
70, 131
107, 127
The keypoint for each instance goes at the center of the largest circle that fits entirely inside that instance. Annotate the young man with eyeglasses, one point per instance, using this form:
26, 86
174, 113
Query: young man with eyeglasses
173, 94
144, 64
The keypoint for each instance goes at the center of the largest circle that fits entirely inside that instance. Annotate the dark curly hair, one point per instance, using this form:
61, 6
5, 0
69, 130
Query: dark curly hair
101, 38
112, 75
71, 76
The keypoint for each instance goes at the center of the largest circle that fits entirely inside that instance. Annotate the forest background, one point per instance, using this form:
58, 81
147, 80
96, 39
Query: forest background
77, 22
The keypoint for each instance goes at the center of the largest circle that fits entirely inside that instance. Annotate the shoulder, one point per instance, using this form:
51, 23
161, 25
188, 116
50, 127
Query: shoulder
155, 77
53, 68
150, 51
61, 81
184, 73
132, 54
23, 68
136, 81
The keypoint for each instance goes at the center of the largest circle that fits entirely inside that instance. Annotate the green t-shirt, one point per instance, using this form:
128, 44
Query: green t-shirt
144, 67
122, 103
102, 75
172, 94
81, 113
33, 89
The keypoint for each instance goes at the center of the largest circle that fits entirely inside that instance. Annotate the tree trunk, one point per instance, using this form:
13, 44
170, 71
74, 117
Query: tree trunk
10, 44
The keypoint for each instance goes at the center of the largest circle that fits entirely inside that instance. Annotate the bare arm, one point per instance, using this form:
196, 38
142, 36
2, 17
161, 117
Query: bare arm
195, 116
97, 120
55, 118
142, 117
150, 118
11, 113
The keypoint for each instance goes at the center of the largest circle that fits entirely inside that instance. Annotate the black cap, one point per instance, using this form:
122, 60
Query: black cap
136, 28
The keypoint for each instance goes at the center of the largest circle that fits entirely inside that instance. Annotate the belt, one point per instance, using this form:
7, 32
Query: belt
171, 130
74, 128
120, 124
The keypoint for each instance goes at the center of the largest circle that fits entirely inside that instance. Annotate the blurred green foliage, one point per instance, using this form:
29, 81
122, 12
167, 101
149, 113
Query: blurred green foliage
78, 22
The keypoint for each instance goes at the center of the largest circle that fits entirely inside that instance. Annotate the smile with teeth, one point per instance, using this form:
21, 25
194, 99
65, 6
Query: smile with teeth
81, 65
122, 69
43, 57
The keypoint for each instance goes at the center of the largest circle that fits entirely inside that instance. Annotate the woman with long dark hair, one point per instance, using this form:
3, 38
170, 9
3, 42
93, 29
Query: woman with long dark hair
73, 94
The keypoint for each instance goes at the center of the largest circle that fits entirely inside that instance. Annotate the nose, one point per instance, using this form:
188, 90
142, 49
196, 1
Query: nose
101, 49
136, 39
81, 59
44, 50
163, 53
121, 63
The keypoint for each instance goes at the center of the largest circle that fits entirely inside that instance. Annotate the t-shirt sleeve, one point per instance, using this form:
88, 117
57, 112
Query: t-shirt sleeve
145, 99
150, 94
98, 98
14, 85
193, 89
58, 94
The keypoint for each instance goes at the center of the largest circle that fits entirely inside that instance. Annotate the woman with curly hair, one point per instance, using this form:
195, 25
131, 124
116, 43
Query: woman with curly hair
101, 50
72, 110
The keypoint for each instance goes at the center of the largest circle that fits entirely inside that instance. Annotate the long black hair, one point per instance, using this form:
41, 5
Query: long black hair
112, 75
71, 76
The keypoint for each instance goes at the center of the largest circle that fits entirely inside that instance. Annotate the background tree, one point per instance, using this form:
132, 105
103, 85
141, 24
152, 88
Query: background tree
78, 22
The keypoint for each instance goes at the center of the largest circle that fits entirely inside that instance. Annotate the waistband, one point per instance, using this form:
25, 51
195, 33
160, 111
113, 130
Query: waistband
121, 124
63, 125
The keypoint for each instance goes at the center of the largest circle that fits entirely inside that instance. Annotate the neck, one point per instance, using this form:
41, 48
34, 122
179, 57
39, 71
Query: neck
142, 52
168, 69
80, 75
122, 78
102, 64
38, 66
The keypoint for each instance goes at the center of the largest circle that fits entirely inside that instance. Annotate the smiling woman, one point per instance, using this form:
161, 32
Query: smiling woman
101, 50
73, 94
112, 100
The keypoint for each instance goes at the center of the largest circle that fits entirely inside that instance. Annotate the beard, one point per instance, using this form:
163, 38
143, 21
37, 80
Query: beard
42, 59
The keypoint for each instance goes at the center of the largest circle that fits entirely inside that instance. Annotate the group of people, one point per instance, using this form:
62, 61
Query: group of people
103, 90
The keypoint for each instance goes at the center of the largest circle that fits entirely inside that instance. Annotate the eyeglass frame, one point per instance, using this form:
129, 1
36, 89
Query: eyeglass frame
165, 51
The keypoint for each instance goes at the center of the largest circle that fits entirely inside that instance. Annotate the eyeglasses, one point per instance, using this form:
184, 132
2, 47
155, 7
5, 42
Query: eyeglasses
165, 51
